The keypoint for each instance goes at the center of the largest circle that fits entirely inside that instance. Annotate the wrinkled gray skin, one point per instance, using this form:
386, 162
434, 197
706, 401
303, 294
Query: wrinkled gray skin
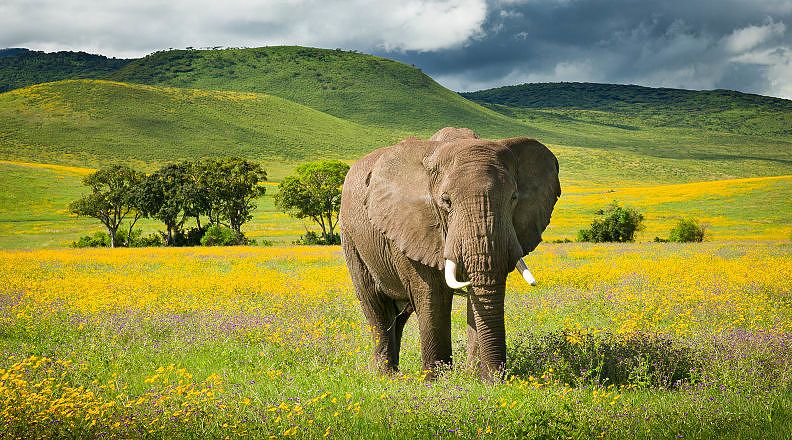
407, 208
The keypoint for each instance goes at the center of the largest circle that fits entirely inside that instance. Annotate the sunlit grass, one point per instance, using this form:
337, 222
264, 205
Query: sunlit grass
33, 208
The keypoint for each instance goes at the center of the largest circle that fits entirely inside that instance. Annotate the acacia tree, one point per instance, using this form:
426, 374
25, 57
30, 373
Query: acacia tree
227, 190
314, 192
167, 196
115, 195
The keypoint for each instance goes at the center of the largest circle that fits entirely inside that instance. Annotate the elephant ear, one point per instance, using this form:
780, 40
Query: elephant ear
538, 189
399, 202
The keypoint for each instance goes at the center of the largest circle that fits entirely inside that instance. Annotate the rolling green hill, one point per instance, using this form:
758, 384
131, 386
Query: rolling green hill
90, 122
631, 106
361, 88
737, 130
22, 67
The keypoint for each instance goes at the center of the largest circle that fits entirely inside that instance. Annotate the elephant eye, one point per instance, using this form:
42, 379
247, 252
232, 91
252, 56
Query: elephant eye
514, 196
446, 200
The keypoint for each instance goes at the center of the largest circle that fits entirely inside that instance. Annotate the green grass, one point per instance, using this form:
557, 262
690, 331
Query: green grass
361, 88
730, 133
88, 122
618, 133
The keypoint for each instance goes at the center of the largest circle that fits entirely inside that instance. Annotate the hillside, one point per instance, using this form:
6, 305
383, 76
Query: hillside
89, 122
738, 132
22, 67
361, 88
636, 106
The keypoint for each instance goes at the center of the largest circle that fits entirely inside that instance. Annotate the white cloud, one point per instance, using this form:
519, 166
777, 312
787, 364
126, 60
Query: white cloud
749, 37
133, 28
569, 71
778, 69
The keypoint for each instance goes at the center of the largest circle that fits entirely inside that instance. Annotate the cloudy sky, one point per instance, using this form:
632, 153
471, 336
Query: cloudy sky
466, 45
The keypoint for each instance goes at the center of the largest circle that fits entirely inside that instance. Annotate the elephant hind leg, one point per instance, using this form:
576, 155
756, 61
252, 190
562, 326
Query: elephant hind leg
382, 312
396, 329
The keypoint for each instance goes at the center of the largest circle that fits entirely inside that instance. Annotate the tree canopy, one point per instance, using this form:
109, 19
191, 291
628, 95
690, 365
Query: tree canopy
115, 195
224, 190
314, 192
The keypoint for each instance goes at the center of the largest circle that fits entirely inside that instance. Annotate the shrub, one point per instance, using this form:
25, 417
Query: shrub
99, 239
576, 358
137, 239
619, 224
687, 231
218, 235
312, 238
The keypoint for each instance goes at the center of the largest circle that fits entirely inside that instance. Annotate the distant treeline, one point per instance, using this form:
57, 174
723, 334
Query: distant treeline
23, 67
219, 194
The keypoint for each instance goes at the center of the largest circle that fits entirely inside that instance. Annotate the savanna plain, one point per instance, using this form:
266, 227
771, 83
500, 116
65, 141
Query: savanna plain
632, 340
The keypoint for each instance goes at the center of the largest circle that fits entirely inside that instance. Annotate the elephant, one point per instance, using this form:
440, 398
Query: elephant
418, 216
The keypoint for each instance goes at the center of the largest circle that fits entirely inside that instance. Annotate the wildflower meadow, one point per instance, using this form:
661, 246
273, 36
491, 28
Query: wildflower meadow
616, 341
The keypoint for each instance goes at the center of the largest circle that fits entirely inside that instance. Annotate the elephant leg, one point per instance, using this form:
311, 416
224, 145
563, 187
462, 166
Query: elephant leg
472, 338
395, 333
433, 307
381, 312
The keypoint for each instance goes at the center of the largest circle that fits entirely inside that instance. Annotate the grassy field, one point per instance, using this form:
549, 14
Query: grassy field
33, 207
617, 341
641, 341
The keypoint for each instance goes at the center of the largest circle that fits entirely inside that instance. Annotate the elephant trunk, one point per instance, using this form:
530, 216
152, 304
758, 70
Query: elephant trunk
485, 245
487, 333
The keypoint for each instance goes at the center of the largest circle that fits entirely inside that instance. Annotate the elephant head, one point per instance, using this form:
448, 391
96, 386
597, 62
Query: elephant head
470, 207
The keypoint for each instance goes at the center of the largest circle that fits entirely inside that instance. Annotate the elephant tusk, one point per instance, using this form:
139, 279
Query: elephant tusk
450, 276
523, 268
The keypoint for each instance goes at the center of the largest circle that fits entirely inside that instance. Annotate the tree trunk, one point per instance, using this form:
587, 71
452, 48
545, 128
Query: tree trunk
129, 232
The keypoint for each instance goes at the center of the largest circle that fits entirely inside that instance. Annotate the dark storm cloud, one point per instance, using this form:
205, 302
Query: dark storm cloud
465, 44
742, 45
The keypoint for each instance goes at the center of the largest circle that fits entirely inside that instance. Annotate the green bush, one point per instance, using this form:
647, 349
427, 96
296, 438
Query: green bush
619, 224
312, 238
218, 235
137, 239
99, 239
688, 231
580, 359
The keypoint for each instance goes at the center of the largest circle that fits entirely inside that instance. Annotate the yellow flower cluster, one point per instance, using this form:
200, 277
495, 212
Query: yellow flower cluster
675, 289
175, 280
35, 390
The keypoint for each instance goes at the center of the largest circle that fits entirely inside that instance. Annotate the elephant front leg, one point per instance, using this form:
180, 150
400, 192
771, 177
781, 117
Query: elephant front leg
434, 324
